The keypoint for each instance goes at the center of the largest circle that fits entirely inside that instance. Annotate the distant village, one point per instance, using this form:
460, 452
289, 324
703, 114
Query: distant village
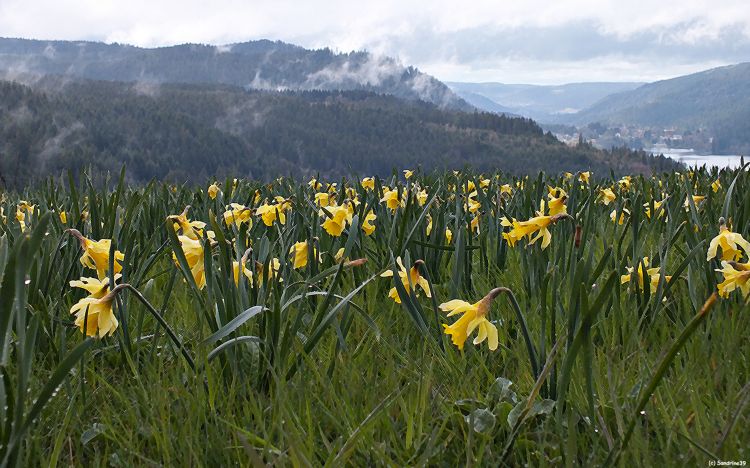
638, 137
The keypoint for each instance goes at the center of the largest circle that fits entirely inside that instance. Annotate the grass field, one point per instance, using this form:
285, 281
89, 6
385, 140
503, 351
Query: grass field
307, 324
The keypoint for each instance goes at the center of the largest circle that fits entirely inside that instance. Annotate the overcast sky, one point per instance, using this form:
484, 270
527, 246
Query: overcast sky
511, 41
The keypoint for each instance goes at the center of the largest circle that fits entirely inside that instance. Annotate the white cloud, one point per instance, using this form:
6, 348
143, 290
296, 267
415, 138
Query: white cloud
452, 41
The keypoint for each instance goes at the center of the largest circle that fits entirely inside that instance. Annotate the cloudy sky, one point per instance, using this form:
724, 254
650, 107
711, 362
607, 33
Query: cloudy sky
511, 41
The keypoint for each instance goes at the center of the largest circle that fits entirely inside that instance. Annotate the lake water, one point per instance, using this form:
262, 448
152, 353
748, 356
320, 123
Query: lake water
688, 157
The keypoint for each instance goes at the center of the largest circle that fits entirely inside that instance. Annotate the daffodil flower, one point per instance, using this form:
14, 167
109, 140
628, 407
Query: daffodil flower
422, 197
654, 275
474, 317
269, 213
736, 275
623, 216
657, 209
716, 185
335, 224
193, 250
236, 271
96, 254
538, 224
213, 191
192, 229
730, 243
697, 200
391, 199
95, 311
367, 225
412, 276
607, 196
368, 183
300, 252
238, 214
557, 198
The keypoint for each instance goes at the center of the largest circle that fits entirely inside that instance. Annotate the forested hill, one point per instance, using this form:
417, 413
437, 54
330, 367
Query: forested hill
717, 100
190, 132
257, 64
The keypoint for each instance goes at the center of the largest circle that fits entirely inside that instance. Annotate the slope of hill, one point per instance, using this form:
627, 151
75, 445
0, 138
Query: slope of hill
258, 64
190, 132
548, 104
716, 99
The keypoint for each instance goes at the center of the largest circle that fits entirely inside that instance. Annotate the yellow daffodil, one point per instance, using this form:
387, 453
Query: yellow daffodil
623, 216
236, 272
339, 254
408, 174
275, 265
335, 224
21, 218
539, 224
657, 209
584, 177
716, 185
314, 184
193, 250
607, 196
422, 197
624, 183
730, 243
697, 200
475, 224
191, 229
367, 225
96, 254
300, 251
506, 189
557, 198
269, 214
368, 183
391, 199
323, 199
567, 175
736, 275
64, 217
413, 275
238, 214
654, 275
448, 235
213, 191
23, 205
95, 311
474, 317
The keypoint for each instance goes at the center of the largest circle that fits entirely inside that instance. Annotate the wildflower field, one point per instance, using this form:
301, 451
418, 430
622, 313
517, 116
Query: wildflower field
444, 319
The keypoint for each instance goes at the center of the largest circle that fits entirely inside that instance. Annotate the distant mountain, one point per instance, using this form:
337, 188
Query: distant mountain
547, 104
717, 100
484, 103
189, 132
258, 64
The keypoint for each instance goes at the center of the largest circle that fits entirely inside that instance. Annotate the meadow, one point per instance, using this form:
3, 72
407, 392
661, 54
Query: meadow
423, 319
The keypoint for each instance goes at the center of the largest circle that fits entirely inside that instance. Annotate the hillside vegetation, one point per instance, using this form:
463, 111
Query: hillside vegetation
191, 132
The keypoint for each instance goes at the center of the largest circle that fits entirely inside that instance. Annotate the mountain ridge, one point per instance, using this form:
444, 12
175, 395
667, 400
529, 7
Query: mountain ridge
261, 64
